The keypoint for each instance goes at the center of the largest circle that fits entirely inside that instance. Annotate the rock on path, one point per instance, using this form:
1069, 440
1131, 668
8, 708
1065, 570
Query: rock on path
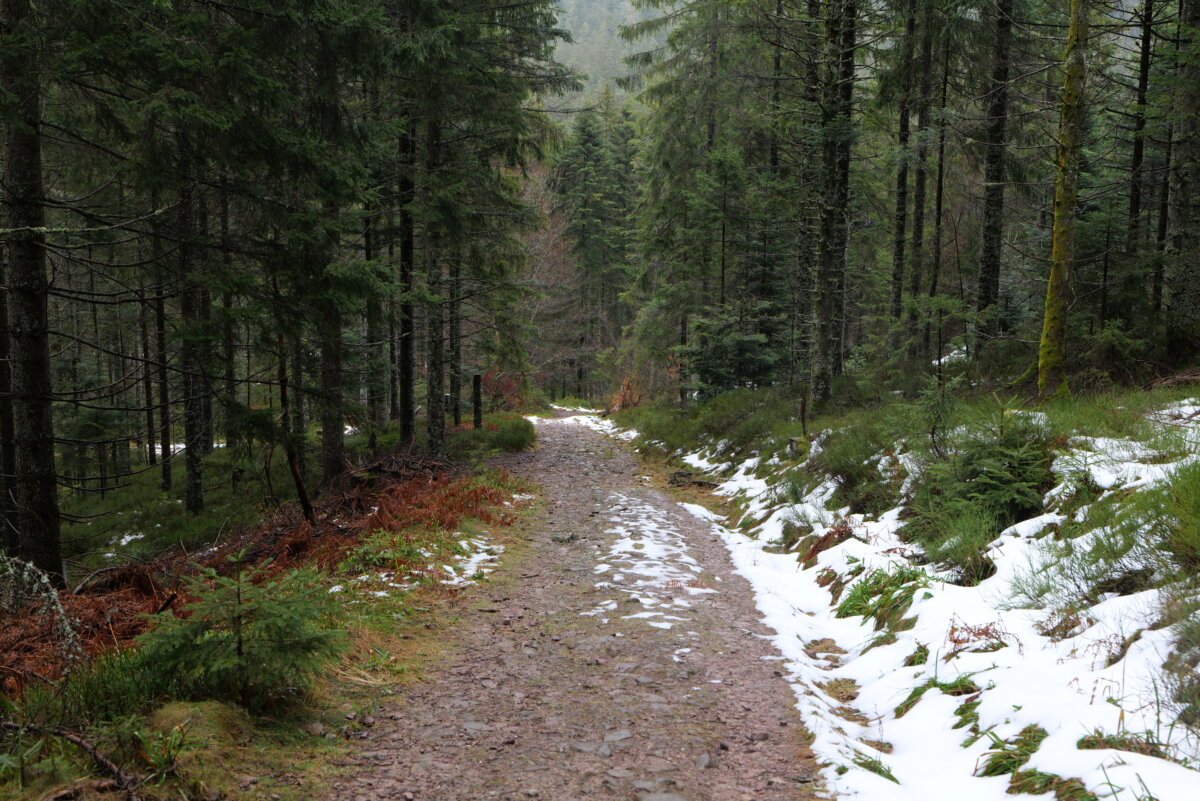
628, 663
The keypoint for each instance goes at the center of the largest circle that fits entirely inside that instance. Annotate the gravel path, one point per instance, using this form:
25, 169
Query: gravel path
623, 660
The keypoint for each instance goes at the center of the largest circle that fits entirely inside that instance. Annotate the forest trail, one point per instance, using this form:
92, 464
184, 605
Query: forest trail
622, 659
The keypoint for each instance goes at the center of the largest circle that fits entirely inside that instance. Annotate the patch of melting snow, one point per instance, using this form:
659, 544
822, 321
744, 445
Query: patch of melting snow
481, 557
1067, 686
652, 565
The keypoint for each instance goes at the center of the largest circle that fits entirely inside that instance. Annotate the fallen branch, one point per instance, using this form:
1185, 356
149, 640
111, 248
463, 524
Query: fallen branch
124, 782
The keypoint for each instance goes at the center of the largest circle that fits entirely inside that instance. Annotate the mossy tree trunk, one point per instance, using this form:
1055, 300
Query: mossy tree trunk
1052, 352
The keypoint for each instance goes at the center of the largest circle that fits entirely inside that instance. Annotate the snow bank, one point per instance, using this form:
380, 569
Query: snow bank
990, 670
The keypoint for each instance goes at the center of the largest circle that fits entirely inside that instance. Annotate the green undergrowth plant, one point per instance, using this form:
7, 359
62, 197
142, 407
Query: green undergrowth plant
850, 456
1122, 543
874, 765
991, 473
1008, 757
502, 431
744, 420
963, 685
884, 595
252, 638
106, 688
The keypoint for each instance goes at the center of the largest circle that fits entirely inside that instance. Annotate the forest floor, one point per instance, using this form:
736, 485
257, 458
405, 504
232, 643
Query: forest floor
617, 656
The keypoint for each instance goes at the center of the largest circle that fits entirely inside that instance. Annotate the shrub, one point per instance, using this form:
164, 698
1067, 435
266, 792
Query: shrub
1172, 513
850, 457
246, 638
502, 431
993, 474
111, 686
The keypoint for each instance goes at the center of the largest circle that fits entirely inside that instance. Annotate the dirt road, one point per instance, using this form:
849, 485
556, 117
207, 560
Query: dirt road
623, 660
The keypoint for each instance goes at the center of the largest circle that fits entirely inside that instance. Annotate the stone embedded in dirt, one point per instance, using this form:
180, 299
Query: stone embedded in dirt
704, 760
759, 737
664, 797
604, 750
367, 720
617, 736
316, 728
619, 773
474, 725
584, 748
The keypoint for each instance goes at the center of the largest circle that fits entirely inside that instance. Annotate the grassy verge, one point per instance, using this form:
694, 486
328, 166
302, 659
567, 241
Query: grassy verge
362, 601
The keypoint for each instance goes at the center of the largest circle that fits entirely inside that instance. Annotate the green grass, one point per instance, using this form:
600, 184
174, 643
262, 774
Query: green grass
875, 766
884, 596
502, 432
963, 685
1008, 756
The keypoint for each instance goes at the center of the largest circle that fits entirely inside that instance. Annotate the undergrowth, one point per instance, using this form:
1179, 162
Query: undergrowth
884, 596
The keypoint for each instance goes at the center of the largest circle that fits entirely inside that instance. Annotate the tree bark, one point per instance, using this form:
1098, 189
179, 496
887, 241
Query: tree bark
406, 366
455, 341
991, 248
1137, 157
35, 481
9, 536
191, 362
1052, 352
1182, 280
435, 421
900, 217
833, 230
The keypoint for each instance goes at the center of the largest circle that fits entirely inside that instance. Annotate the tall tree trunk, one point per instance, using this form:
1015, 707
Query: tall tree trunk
191, 361
1137, 158
924, 70
10, 535
290, 442
836, 136
164, 388
1162, 236
148, 383
298, 412
900, 217
435, 420
228, 330
378, 368
406, 365
333, 416
996, 131
1052, 352
1183, 248
35, 481
939, 203
456, 369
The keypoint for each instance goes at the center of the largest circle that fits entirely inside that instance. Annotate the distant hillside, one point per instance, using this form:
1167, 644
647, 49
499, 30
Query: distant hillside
598, 49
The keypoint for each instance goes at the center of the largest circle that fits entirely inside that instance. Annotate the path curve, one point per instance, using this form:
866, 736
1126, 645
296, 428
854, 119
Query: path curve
627, 662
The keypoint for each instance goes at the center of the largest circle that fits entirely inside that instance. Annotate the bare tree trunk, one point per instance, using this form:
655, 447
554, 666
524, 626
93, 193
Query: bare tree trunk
455, 341
836, 134
435, 420
35, 481
191, 363
148, 384
924, 70
900, 218
991, 249
1137, 158
1182, 285
407, 358
10, 536
377, 366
